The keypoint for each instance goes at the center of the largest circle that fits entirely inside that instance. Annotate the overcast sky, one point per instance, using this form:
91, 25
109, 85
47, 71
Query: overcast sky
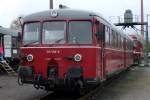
11, 9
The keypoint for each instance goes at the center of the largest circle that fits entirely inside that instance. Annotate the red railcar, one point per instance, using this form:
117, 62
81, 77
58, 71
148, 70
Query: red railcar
71, 49
137, 49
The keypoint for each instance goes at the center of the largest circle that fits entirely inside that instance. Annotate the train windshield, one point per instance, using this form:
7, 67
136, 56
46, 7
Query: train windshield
31, 33
80, 32
54, 32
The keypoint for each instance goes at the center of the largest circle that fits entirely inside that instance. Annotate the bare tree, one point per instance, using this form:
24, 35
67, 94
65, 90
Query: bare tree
16, 24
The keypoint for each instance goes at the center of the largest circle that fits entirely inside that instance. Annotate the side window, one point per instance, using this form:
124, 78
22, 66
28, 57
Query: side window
107, 35
113, 39
122, 42
130, 45
119, 41
116, 40
127, 44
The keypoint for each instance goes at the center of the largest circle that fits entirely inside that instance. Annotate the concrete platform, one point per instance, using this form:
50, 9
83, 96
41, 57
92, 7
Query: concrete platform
133, 85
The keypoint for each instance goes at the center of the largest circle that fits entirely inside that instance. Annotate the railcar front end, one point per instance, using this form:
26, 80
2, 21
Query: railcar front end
59, 54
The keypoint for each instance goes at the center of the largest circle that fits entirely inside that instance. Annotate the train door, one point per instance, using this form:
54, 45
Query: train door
1, 40
100, 34
103, 52
7, 46
15, 45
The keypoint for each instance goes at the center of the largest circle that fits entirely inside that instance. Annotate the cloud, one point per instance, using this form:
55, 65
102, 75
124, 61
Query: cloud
9, 11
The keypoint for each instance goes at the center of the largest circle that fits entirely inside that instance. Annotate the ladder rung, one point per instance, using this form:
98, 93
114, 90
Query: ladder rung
10, 72
7, 68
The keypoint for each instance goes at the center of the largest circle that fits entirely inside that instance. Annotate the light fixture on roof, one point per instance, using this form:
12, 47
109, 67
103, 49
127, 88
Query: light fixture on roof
63, 6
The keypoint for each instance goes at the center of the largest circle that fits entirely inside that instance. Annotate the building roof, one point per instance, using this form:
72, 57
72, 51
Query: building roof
7, 31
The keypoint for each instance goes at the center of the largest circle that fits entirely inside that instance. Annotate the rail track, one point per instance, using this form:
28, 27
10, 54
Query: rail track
60, 96
89, 96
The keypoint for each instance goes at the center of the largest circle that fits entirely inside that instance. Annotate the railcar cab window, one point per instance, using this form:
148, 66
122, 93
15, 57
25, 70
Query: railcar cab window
54, 32
100, 31
31, 33
80, 32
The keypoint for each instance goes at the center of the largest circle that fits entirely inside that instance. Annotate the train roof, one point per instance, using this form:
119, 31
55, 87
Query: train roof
70, 13
7, 31
62, 13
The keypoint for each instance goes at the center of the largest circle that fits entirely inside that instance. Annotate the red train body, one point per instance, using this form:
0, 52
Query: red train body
71, 49
137, 49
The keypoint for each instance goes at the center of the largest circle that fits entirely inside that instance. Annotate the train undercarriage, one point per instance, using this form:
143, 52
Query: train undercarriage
73, 80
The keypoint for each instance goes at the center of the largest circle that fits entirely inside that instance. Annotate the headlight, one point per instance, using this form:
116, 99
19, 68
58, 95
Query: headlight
77, 57
30, 57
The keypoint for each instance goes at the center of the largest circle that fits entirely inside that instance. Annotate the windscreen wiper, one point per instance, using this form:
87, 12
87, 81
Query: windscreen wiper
31, 43
59, 40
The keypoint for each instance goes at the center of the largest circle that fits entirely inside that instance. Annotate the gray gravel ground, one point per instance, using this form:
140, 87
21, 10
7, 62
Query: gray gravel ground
132, 85
10, 90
